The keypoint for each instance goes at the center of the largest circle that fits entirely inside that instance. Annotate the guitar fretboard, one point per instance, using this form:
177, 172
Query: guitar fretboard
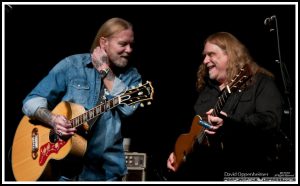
221, 101
94, 112
217, 109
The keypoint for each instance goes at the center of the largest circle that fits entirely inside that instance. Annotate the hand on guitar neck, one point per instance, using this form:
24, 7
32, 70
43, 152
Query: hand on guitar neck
214, 121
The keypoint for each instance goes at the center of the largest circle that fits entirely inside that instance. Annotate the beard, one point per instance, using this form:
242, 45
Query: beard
121, 62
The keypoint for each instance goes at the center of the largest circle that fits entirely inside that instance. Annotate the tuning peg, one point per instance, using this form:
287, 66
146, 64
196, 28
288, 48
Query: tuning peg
140, 84
132, 86
149, 103
142, 105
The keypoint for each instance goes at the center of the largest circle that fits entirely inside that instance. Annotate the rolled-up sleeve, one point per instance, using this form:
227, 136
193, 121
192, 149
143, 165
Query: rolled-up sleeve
118, 87
48, 91
121, 85
31, 105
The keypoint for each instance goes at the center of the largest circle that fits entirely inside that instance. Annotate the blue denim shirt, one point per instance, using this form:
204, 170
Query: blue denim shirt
74, 79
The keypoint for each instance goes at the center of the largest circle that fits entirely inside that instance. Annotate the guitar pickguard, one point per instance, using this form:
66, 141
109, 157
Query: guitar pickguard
47, 149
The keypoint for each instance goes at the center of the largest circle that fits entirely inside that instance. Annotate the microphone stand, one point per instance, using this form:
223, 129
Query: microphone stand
285, 80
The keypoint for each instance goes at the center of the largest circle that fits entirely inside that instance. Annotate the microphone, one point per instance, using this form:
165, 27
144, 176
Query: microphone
269, 20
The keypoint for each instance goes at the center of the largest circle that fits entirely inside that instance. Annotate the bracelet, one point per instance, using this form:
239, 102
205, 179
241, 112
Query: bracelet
103, 73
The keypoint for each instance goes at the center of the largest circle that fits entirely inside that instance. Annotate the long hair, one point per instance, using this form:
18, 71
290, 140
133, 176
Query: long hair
238, 56
110, 27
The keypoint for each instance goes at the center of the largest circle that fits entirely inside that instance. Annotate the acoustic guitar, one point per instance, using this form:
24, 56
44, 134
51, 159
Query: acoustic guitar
35, 144
185, 142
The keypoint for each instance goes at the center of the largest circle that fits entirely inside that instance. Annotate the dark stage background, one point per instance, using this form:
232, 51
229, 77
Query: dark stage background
167, 51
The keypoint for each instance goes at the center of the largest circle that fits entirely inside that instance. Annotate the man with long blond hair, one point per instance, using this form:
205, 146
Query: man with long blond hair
86, 79
239, 132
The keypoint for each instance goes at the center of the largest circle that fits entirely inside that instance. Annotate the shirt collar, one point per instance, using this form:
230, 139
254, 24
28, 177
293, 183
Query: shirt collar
88, 61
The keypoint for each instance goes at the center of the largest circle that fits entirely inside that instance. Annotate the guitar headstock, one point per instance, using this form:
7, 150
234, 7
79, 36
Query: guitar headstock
239, 80
141, 93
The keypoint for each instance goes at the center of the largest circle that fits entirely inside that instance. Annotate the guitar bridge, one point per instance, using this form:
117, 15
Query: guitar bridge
35, 143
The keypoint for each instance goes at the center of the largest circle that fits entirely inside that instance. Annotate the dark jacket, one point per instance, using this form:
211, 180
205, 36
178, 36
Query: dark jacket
249, 132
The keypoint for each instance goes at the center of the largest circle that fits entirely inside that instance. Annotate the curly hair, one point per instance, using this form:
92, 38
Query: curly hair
238, 57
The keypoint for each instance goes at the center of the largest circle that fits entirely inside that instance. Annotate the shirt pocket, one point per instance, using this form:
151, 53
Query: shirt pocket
246, 96
246, 104
79, 90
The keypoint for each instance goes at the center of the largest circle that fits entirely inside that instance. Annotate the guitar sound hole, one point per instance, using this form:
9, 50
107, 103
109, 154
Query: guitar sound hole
53, 137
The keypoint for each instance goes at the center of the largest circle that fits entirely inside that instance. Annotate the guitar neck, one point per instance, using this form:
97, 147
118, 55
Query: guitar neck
217, 109
94, 112
221, 101
129, 97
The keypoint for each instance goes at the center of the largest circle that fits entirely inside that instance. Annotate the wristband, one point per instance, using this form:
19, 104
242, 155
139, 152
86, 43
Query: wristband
104, 72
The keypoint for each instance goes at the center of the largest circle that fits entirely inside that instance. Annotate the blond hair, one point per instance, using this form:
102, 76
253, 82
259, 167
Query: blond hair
109, 28
238, 56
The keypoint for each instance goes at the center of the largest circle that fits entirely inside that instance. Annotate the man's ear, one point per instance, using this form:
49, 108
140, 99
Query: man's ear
103, 42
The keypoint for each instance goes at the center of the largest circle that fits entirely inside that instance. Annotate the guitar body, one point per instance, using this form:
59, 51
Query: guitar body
35, 144
185, 142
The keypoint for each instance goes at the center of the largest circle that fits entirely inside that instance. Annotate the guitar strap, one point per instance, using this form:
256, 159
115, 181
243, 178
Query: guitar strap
100, 99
